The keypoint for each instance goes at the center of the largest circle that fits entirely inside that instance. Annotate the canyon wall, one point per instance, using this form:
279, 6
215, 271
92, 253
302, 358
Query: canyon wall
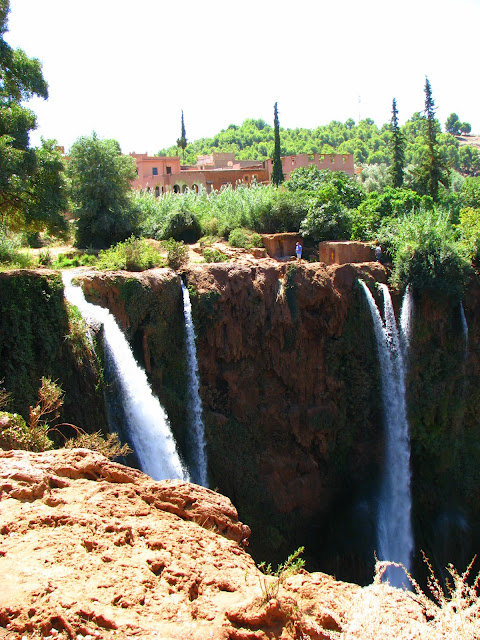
291, 396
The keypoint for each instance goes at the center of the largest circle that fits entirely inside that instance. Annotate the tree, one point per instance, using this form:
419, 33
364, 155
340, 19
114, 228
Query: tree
277, 171
465, 128
100, 190
430, 172
32, 188
452, 125
397, 147
182, 141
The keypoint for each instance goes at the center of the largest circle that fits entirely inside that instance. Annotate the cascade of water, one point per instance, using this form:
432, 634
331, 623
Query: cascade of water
198, 442
406, 320
147, 423
395, 535
465, 327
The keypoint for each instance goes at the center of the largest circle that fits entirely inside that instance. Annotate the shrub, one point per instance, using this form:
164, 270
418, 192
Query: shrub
10, 254
45, 258
426, 253
67, 260
16, 434
214, 255
244, 239
109, 446
177, 254
238, 238
182, 226
135, 254
328, 221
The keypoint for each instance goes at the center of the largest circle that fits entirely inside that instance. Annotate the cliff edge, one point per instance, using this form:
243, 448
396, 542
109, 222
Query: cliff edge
93, 549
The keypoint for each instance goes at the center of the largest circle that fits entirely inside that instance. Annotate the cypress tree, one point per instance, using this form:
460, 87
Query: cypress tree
277, 171
182, 141
397, 145
431, 172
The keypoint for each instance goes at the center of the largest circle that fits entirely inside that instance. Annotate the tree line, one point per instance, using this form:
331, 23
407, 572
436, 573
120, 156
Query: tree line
408, 189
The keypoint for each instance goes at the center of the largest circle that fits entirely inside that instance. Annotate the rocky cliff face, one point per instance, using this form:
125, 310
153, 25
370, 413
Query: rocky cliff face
92, 549
40, 335
291, 395
290, 390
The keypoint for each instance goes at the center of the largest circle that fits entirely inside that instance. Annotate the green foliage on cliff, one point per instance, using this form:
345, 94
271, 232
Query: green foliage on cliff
426, 253
34, 324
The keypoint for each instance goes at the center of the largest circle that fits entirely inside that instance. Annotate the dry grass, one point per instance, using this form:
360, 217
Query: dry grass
382, 612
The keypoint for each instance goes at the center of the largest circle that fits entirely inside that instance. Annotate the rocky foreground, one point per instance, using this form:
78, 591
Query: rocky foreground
93, 549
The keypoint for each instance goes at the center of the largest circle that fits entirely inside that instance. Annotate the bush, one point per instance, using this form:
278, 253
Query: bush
244, 239
214, 255
67, 260
426, 254
329, 221
135, 254
182, 226
238, 238
10, 254
109, 446
177, 254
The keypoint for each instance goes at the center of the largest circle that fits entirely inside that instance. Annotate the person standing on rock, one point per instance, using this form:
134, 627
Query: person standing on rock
298, 251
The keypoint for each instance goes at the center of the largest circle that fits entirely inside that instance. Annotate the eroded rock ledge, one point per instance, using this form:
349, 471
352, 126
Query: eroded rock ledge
93, 549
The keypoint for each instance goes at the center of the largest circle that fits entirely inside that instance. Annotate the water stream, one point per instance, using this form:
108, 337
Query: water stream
147, 423
198, 443
394, 528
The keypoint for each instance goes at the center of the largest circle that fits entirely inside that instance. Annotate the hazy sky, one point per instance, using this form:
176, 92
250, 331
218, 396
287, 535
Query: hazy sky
126, 69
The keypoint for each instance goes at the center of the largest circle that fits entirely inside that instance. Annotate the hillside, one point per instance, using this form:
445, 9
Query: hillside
368, 142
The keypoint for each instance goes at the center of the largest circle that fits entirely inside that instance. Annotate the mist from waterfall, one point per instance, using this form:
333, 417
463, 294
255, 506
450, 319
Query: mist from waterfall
394, 528
198, 466
147, 423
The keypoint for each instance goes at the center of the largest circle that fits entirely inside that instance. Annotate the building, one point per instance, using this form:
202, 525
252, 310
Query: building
159, 174
332, 161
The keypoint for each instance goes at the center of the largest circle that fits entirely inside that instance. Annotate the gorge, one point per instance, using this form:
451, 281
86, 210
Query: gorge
291, 394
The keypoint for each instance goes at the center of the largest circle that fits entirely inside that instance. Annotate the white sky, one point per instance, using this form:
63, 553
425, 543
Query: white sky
126, 69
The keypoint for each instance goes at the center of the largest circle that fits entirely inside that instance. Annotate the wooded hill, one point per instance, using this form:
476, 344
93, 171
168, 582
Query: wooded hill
253, 140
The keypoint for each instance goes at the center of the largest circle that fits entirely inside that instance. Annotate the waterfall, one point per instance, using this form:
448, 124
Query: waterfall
395, 535
464, 327
198, 443
147, 423
406, 320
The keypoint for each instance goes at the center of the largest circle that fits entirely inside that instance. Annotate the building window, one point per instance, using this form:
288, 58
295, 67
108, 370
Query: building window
176, 188
157, 191
344, 159
169, 170
246, 178
332, 158
322, 158
154, 171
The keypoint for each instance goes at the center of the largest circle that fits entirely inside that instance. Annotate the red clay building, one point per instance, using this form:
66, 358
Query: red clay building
161, 174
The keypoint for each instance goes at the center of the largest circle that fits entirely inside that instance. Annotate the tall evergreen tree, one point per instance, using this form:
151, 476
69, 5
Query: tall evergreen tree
277, 171
431, 170
182, 141
397, 146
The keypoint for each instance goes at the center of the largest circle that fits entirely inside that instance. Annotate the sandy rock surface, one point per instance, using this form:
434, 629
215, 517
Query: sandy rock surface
90, 548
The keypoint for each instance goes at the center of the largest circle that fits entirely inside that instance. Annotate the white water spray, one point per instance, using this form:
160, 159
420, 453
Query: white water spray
147, 423
198, 443
464, 327
406, 321
395, 535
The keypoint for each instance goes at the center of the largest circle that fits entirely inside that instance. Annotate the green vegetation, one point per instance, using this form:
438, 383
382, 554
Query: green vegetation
100, 190
271, 581
135, 254
426, 253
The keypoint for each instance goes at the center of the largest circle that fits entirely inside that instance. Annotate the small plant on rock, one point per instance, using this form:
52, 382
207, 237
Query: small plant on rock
271, 581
